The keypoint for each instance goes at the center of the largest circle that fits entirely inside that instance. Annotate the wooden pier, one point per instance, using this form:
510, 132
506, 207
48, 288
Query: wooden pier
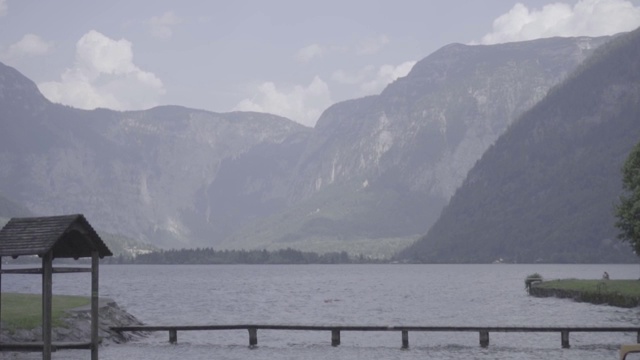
404, 330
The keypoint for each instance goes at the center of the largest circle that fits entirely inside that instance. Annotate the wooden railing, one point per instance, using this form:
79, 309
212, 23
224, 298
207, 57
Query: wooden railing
335, 330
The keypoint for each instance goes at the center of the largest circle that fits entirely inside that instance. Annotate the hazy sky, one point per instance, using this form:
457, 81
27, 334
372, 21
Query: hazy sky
292, 58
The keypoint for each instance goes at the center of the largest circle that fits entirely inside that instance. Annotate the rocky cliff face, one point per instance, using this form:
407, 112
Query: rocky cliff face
382, 167
431, 126
374, 173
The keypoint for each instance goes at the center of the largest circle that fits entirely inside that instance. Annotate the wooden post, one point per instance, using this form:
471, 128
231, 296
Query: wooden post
253, 337
564, 336
638, 337
95, 262
173, 336
484, 338
335, 337
47, 294
405, 339
1, 293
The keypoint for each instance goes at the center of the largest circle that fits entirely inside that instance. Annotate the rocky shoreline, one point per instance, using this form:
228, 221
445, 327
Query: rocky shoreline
77, 326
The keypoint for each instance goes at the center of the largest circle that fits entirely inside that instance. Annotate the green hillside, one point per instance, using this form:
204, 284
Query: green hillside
24, 311
354, 223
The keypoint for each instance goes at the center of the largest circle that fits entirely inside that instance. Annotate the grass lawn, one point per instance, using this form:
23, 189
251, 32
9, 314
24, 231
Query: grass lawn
628, 288
24, 311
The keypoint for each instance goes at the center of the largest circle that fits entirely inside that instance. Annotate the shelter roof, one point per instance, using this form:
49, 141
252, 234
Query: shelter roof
69, 236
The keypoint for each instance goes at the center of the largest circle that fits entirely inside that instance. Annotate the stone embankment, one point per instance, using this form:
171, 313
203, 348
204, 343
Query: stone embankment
77, 326
593, 297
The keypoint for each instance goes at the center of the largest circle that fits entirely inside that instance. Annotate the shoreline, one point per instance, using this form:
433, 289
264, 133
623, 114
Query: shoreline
77, 326
618, 293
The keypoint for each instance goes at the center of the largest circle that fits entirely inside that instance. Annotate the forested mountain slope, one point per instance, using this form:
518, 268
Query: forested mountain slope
545, 191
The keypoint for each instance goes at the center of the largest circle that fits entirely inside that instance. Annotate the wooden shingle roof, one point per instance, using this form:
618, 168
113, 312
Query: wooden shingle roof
70, 236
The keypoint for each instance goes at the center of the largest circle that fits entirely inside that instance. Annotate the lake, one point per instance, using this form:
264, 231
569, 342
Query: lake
389, 295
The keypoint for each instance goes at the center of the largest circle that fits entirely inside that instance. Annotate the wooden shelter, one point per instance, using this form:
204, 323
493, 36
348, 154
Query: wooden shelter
51, 237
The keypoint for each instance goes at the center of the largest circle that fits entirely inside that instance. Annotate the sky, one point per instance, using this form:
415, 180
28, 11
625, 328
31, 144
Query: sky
292, 58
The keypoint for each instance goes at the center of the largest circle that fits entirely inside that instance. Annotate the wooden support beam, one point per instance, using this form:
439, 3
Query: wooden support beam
47, 295
173, 336
37, 346
253, 337
95, 342
36, 271
335, 337
484, 338
72, 270
564, 338
1, 294
55, 270
405, 339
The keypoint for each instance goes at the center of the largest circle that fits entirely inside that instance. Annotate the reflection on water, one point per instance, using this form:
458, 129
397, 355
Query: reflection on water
421, 295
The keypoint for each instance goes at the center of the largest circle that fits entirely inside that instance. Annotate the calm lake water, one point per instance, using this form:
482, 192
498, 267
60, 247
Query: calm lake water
420, 295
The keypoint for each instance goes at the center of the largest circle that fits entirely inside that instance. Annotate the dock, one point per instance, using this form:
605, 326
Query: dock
403, 330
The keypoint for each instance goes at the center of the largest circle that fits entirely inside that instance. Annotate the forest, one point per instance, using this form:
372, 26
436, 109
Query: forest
211, 256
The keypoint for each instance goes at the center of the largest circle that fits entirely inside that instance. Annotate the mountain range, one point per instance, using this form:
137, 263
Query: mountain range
371, 177
375, 172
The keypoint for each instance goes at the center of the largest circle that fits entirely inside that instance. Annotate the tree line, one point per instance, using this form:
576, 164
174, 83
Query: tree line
212, 256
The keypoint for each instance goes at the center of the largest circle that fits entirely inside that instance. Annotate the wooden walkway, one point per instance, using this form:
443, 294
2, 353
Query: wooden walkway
404, 330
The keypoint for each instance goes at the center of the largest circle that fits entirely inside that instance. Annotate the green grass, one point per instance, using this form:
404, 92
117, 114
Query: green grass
24, 311
629, 288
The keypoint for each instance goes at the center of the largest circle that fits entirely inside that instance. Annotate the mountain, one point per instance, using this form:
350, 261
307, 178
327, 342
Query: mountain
133, 173
371, 177
9, 209
119, 245
545, 191
376, 172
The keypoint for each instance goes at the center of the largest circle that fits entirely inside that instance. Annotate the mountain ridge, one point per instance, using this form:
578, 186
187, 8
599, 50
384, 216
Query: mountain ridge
413, 144
127, 170
374, 170
545, 191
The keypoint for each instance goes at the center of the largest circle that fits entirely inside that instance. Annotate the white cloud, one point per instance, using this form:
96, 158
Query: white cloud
585, 18
161, 26
367, 46
371, 81
372, 45
307, 53
360, 76
385, 75
29, 45
104, 75
299, 103
3, 7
